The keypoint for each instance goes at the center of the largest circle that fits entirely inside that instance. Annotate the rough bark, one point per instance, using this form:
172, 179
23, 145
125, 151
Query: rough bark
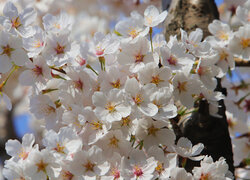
201, 127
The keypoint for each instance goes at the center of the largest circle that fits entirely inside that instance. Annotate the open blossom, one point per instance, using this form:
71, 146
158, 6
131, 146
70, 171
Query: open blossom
42, 164
21, 151
139, 97
114, 141
212, 170
166, 163
176, 57
38, 72
220, 30
154, 133
11, 51
207, 71
87, 164
65, 142
151, 73
194, 43
57, 24
185, 149
243, 12
18, 23
138, 166
240, 43
132, 27
166, 108
152, 17
110, 107
184, 88
136, 54
104, 44
60, 49
36, 43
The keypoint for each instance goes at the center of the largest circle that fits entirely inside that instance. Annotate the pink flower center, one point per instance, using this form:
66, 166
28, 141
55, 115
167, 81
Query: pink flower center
80, 61
37, 70
99, 52
116, 173
59, 49
172, 60
138, 171
78, 84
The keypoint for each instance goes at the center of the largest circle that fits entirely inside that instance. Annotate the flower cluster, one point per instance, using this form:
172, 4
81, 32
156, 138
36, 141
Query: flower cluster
106, 100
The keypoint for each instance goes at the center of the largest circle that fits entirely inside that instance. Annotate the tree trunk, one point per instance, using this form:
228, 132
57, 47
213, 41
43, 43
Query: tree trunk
201, 127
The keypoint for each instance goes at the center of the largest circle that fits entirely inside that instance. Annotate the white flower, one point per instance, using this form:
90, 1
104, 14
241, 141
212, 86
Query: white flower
225, 60
165, 162
139, 97
115, 168
89, 164
60, 49
243, 12
110, 107
207, 71
13, 170
114, 77
95, 128
211, 170
240, 43
138, 166
220, 31
112, 142
154, 133
38, 72
42, 164
176, 58
185, 149
11, 51
166, 108
151, 73
152, 17
184, 88
44, 108
36, 43
18, 23
136, 54
57, 24
193, 42
132, 27
21, 151
80, 80
65, 142
104, 45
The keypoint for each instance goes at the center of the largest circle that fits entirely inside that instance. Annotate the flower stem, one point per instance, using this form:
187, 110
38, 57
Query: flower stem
15, 67
151, 39
89, 67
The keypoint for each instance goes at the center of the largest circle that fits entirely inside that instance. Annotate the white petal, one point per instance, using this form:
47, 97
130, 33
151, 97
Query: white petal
19, 57
5, 64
